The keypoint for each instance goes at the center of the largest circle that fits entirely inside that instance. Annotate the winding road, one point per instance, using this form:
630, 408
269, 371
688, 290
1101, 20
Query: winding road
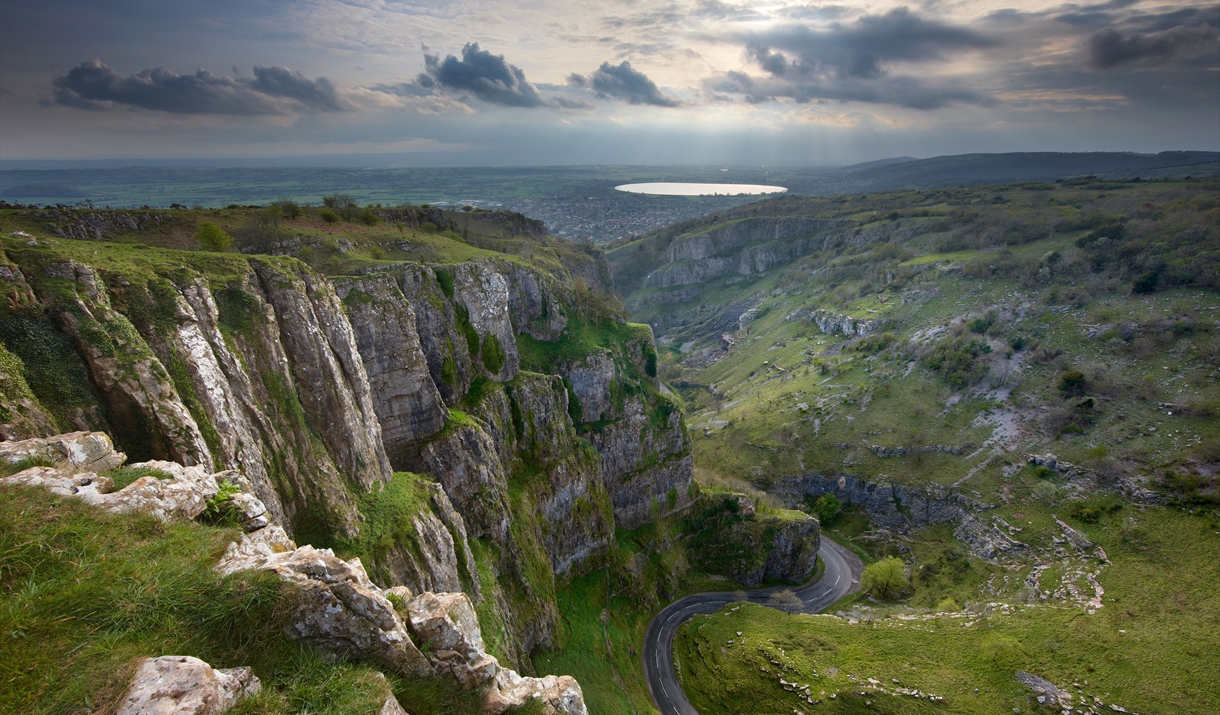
841, 577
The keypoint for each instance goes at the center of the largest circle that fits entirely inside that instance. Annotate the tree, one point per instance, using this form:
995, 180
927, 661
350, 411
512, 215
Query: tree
826, 509
786, 600
211, 238
886, 578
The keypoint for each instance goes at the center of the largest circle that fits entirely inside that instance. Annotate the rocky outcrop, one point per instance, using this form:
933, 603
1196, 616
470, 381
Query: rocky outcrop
323, 357
465, 460
337, 608
136, 386
483, 292
532, 431
750, 246
730, 539
985, 540
182, 685
1047, 693
408, 404
81, 451
829, 322
793, 550
340, 611
726, 237
183, 493
445, 347
893, 506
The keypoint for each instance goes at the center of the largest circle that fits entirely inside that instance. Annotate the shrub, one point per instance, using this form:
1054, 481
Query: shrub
1072, 383
211, 238
493, 354
328, 216
1147, 283
369, 217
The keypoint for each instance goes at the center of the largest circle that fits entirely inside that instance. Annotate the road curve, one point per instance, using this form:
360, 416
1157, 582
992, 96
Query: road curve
840, 577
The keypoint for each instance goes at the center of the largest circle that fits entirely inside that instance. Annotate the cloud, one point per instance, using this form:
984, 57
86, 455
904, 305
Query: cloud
623, 82
853, 62
902, 91
1110, 48
862, 48
481, 74
273, 91
319, 94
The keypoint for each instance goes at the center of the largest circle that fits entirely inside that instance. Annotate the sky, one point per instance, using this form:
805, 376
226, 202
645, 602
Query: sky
606, 82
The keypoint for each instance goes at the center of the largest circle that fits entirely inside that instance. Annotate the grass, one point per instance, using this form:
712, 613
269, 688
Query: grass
85, 594
1153, 648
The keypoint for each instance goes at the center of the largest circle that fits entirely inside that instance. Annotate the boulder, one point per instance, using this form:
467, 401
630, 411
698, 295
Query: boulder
560, 695
448, 623
182, 685
1046, 692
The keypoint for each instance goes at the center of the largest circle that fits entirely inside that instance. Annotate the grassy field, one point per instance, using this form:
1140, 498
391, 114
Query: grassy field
1154, 647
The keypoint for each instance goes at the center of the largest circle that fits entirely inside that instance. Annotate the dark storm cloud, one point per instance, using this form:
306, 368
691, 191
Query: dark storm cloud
851, 62
484, 75
623, 82
862, 48
274, 90
1110, 48
319, 94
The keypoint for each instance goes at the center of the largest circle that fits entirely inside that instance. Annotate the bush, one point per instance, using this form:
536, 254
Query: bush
1147, 283
328, 216
1072, 383
493, 354
211, 238
369, 217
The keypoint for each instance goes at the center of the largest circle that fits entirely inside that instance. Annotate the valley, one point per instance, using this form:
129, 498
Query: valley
991, 408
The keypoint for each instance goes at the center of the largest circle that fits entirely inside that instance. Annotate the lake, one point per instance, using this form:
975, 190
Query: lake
681, 189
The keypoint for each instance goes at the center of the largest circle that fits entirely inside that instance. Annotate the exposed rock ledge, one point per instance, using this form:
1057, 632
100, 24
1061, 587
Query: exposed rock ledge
343, 613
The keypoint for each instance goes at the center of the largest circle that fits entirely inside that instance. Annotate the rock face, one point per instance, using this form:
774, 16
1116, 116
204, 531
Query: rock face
646, 463
251, 366
408, 404
315, 392
593, 381
750, 246
182, 685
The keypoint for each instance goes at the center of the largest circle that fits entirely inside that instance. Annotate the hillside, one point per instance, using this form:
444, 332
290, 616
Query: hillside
990, 382
452, 397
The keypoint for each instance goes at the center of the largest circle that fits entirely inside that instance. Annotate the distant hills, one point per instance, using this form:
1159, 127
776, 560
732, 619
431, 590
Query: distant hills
941, 171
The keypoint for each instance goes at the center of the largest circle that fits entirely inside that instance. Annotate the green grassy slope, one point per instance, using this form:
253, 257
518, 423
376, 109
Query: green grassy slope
84, 595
